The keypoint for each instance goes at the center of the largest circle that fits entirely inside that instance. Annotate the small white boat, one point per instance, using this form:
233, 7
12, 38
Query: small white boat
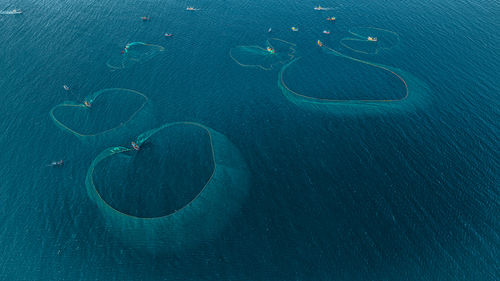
319, 8
56, 163
12, 12
66, 87
269, 30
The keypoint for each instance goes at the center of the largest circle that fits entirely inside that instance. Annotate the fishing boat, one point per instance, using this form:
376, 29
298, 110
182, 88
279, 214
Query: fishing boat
326, 31
294, 28
66, 87
373, 39
135, 146
320, 43
168, 34
330, 19
56, 163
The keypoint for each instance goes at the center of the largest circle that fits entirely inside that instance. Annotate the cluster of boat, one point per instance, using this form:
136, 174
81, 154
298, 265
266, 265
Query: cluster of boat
135, 146
147, 18
332, 18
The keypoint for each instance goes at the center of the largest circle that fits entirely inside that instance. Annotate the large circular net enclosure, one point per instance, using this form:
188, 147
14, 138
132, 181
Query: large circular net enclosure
370, 40
275, 52
108, 112
335, 87
179, 188
133, 53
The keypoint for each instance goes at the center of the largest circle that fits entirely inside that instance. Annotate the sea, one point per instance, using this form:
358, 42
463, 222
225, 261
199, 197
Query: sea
331, 192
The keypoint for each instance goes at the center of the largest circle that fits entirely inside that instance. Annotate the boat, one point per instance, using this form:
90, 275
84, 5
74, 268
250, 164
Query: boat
270, 50
320, 43
326, 31
330, 19
168, 34
87, 104
373, 39
191, 9
145, 18
269, 30
12, 12
56, 163
135, 146
294, 28
319, 8
66, 87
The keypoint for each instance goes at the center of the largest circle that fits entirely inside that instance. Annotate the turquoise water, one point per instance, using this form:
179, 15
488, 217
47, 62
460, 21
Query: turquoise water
335, 192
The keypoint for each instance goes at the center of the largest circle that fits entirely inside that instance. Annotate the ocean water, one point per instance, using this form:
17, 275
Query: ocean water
331, 195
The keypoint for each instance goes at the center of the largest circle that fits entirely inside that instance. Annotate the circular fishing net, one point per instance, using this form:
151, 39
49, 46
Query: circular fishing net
370, 40
135, 52
114, 111
275, 52
180, 188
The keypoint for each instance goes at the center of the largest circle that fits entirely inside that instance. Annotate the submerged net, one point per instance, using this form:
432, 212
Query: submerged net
114, 111
413, 92
151, 204
370, 40
135, 52
276, 52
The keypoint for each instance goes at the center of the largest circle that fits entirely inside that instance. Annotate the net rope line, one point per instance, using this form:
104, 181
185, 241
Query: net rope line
362, 38
90, 101
345, 100
290, 55
120, 149
125, 57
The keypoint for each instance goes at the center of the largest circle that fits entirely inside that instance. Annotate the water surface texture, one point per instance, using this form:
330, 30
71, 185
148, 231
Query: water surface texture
333, 193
